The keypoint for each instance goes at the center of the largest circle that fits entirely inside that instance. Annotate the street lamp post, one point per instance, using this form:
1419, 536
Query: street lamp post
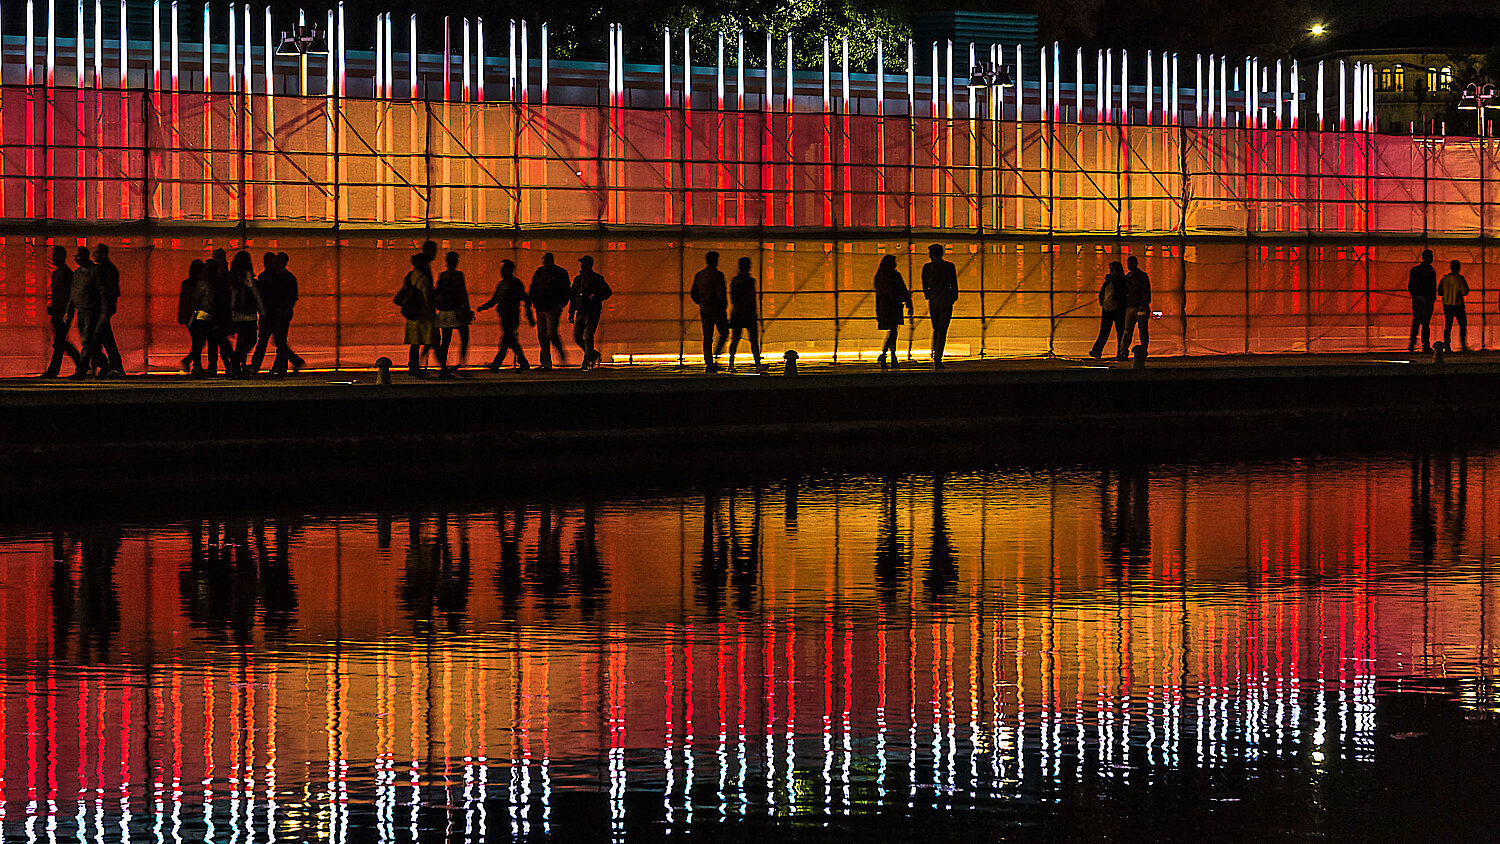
984, 78
1476, 98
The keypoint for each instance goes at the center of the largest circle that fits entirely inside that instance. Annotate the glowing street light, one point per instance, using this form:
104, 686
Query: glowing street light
1318, 30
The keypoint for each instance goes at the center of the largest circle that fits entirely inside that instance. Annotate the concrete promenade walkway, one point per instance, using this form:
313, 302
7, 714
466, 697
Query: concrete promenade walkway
57, 436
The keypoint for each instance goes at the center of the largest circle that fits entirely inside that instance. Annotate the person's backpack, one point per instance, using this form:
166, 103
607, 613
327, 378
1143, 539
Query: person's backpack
406, 300
244, 300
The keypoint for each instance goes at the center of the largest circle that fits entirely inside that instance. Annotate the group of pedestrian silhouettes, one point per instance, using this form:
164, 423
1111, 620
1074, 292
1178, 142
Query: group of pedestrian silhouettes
436, 309
1426, 289
233, 313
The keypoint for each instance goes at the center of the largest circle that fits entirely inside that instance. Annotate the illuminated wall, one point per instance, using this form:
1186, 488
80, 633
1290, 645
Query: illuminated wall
1018, 297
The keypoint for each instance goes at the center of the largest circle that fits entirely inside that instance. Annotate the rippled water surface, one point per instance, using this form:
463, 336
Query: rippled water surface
1279, 649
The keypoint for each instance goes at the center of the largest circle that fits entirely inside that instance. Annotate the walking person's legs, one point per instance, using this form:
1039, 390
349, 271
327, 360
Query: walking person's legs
1127, 332
709, 362
198, 330
753, 335
445, 339
414, 359
88, 343
512, 340
940, 320
1143, 318
1108, 320
1448, 315
61, 347
244, 343
1463, 327
113, 362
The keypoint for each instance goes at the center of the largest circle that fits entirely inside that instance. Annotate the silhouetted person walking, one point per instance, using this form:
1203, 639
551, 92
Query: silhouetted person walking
245, 308
892, 304
1421, 283
549, 295
744, 313
509, 296
60, 313
187, 303
87, 300
1453, 288
711, 294
278, 295
415, 301
585, 307
1137, 307
453, 314
210, 314
940, 288
109, 290
1111, 309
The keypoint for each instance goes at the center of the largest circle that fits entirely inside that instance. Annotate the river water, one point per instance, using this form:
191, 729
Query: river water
1277, 648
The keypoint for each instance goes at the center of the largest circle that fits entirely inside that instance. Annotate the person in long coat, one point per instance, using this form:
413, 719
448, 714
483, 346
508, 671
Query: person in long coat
416, 302
891, 297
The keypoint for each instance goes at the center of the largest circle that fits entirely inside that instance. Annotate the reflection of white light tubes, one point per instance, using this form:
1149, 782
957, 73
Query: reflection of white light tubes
542, 48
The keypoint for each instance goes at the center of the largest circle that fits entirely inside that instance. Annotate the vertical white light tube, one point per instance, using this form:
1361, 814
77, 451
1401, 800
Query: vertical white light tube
1278, 94
1020, 86
1109, 86
545, 60
1212, 89
969, 89
270, 55
666, 66
1150, 84
611, 73
208, 64
124, 46
234, 55
52, 38
99, 43
687, 68
844, 75
1078, 86
1124, 86
937, 78
1057, 80
447, 59
328, 60
155, 45
380, 55
1099, 87
739, 69
790, 81
1343, 86
1041, 90
176, 52
719, 71
879, 75
1296, 106
467, 89
1198, 89
249, 44
911, 78
411, 57
79, 43
770, 79
1224, 90
1176, 89
479, 59
511, 74
949, 91
31, 41
827, 96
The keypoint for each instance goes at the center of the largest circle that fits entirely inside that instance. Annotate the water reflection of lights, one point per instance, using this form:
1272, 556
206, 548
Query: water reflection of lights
1049, 655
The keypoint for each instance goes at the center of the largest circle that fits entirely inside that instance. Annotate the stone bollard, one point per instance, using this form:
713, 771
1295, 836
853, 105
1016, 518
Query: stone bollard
1439, 349
383, 371
1139, 356
791, 362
